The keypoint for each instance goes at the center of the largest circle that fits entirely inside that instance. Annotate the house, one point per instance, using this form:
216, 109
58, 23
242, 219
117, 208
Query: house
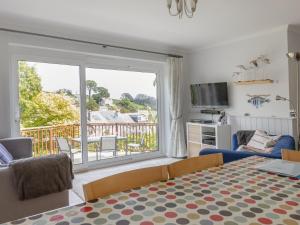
175, 109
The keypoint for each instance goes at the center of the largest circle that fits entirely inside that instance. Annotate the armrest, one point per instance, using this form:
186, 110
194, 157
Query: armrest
19, 148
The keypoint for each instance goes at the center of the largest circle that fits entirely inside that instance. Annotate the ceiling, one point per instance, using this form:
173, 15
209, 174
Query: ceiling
148, 20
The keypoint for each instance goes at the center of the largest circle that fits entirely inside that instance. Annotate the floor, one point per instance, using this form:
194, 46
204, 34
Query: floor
104, 155
76, 194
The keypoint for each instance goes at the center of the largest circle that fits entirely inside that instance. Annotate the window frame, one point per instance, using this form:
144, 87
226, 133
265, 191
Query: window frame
83, 61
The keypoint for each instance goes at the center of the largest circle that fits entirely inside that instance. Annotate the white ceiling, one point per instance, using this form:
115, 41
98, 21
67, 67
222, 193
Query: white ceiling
215, 20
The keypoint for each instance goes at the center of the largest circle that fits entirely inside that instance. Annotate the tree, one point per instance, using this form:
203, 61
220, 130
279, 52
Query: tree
146, 100
91, 86
127, 96
91, 105
65, 92
38, 108
51, 109
126, 106
100, 93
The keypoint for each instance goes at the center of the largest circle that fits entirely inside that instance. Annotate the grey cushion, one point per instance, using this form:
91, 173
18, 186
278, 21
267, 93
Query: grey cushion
5, 156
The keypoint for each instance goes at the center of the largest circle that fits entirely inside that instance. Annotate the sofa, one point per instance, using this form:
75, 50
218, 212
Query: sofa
284, 142
11, 208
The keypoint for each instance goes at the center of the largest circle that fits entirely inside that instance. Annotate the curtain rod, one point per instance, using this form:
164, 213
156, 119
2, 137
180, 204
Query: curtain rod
88, 42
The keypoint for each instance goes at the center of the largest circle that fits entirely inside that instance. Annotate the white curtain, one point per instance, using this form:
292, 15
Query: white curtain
177, 147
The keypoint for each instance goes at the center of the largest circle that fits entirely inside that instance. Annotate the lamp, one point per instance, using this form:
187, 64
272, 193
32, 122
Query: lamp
182, 6
295, 56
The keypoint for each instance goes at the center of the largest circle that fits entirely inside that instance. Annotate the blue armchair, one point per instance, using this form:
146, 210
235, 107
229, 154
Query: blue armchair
285, 141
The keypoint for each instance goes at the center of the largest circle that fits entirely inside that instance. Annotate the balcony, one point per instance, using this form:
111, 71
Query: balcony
143, 135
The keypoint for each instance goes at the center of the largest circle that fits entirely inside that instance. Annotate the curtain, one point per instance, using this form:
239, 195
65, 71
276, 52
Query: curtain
177, 147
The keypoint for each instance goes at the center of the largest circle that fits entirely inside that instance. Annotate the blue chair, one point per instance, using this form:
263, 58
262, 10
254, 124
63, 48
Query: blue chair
284, 142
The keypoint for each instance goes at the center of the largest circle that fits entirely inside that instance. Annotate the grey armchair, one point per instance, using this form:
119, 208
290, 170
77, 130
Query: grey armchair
19, 147
11, 208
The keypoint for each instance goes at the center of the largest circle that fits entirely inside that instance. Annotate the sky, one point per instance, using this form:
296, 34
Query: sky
55, 77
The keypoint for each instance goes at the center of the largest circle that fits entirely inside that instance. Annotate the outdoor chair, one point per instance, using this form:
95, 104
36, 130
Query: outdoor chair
134, 146
64, 147
108, 143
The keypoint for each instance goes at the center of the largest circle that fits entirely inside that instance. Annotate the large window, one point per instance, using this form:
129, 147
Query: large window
92, 114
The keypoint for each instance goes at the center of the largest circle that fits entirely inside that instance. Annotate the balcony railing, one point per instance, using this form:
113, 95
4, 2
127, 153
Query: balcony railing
44, 138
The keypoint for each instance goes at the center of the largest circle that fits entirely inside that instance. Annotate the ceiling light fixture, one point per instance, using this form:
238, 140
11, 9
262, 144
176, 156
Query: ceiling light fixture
182, 6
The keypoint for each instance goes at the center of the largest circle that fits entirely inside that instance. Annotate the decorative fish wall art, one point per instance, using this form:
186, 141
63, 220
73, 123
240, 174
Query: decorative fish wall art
258, 100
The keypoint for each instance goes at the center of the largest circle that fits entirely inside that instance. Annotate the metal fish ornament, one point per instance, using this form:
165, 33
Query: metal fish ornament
258, 100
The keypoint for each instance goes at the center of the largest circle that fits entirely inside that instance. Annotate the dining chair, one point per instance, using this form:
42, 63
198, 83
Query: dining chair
108, 143
124, 181
194, 164
290, 155
64, 147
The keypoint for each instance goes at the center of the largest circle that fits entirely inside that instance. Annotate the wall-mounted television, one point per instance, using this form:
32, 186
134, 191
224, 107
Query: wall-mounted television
209, 95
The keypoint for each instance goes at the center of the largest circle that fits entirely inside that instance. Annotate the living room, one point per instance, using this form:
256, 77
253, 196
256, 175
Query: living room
160, 90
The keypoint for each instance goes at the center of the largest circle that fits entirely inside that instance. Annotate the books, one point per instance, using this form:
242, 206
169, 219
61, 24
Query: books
282, 167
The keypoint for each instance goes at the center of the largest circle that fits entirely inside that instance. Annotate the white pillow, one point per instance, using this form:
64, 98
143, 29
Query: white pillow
261, 140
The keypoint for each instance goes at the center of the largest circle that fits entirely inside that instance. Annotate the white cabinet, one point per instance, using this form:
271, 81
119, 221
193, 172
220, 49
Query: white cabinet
200, 136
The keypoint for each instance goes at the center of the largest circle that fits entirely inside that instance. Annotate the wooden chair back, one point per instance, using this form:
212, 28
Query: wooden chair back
290, 155
124, 181
194, 164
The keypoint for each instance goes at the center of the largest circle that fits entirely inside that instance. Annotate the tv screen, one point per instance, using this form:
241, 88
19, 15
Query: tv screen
209, 95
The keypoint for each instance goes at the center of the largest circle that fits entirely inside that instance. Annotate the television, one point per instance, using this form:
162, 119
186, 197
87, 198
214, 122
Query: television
209, 95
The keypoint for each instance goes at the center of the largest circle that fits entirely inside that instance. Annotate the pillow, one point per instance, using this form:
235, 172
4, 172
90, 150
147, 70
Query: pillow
5, 156
261, 141
2, 163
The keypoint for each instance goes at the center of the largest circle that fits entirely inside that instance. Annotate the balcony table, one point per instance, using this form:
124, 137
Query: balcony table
233, 194
96, 139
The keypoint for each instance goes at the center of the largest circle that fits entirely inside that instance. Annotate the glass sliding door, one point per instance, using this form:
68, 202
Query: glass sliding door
121, 109
49, 108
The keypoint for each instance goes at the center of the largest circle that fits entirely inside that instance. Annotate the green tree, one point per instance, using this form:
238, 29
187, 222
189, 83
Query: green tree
100, 93
38, 108
92, 105
126, 106
91, 86
51, 109
127, 96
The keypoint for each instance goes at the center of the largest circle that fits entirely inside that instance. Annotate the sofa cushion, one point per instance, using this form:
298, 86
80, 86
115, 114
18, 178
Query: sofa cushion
2, 163
5, 156
261, 141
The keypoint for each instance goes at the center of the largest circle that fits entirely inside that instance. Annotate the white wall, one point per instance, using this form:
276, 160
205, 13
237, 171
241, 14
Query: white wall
217, 64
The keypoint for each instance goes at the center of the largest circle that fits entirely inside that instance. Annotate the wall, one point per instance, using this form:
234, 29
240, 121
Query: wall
217, 64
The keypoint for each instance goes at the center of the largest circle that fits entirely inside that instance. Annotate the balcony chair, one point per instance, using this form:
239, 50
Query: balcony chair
133, 146
64, 147
108, 143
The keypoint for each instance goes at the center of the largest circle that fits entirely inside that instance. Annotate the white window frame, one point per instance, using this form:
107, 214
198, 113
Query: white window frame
83, 61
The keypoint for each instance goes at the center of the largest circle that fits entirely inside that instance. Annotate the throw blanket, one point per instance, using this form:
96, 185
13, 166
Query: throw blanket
35, 177
244, 136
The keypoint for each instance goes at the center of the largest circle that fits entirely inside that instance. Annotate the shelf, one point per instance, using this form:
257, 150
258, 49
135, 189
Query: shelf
252, 82
209, 135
